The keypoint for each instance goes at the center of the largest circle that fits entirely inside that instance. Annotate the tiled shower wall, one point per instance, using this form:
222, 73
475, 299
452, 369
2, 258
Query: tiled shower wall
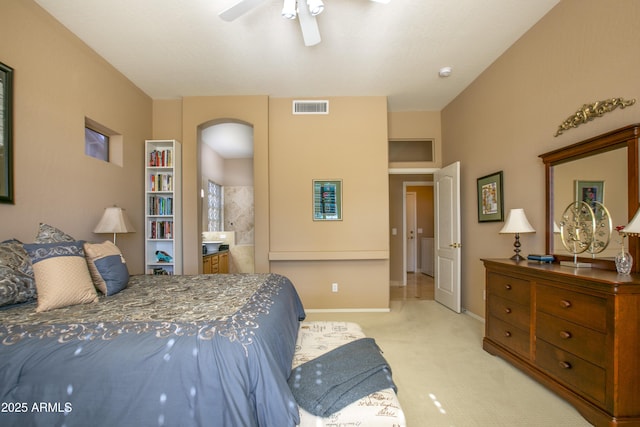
239, 213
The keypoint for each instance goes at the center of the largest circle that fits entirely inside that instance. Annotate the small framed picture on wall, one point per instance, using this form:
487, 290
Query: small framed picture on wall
490, 199
327, 200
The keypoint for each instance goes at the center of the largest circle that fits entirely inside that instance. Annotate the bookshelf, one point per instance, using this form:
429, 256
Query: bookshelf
163, 207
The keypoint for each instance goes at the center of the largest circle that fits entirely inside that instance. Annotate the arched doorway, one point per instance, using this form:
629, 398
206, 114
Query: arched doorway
226, 189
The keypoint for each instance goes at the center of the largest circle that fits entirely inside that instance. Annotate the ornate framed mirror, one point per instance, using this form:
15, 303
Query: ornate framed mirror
610, 158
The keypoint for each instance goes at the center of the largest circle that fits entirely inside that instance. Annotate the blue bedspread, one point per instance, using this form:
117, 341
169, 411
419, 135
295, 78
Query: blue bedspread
209, 350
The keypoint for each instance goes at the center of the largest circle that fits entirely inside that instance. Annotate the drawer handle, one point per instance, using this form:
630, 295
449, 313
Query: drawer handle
565, 365
565, 335
507, 334
565, 304
507, 287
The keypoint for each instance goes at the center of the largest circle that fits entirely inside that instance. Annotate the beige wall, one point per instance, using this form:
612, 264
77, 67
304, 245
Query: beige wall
581, 52
58, 82
349, 144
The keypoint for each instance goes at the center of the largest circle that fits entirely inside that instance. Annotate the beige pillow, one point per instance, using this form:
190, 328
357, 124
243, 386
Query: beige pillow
61, 273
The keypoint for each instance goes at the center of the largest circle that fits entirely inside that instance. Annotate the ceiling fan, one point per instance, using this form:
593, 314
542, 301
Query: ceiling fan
306, 10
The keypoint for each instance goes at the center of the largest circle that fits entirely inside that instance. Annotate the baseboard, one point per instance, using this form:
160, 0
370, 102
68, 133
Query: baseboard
475, 316
347, 310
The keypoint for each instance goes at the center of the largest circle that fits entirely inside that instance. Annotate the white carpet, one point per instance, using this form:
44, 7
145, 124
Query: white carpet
445, 378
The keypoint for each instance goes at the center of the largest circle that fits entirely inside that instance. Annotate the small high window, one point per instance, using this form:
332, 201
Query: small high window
102, 143
96, 144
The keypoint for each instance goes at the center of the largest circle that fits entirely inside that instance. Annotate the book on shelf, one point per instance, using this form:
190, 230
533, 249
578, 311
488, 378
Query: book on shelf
161, 230
161, 158
160, 205
161, 182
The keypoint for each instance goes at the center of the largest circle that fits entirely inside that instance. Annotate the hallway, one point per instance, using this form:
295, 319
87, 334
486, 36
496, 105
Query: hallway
419, 287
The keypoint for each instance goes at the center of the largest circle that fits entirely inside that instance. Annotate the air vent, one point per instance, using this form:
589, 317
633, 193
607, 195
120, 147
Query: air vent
310, 107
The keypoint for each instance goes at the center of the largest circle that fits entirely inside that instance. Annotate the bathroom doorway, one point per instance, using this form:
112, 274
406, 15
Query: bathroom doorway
226, 165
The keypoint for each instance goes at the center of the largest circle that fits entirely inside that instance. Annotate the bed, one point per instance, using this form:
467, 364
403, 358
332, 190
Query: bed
164, 351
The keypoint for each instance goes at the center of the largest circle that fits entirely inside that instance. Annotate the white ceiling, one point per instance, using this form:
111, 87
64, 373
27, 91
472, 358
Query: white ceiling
176, 48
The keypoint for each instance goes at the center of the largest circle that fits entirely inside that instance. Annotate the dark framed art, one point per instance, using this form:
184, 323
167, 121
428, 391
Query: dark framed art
490, 199
6, 121
590, 192
327, 200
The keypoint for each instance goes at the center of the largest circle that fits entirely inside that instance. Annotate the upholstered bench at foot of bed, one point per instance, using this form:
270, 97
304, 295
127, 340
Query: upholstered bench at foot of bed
379, 409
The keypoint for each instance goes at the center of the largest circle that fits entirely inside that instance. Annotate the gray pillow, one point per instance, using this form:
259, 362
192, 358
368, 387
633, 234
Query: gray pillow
17, 283
50, 234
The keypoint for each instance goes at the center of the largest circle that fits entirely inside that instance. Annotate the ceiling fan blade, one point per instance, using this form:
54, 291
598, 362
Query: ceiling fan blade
308, 25
238, 9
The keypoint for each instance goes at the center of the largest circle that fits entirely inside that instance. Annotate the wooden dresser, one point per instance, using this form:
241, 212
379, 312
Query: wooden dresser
577, 331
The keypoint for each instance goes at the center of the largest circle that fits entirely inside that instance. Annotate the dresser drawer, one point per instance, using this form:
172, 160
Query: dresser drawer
511, 337
583, 309
511, 312
583, 342
586, 378
508, 287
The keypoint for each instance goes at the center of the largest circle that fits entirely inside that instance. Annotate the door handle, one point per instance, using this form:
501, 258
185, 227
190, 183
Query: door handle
455, 245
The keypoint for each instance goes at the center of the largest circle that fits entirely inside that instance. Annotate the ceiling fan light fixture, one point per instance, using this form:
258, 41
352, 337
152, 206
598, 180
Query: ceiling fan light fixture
289, 9
315, 7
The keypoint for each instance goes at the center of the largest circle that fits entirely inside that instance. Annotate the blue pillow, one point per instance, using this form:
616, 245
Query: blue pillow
107, 266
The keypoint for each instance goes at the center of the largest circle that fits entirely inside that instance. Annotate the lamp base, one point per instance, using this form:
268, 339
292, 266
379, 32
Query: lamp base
516, 249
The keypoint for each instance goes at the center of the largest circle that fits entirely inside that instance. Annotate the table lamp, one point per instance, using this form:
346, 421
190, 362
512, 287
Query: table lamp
517, 223
114, 221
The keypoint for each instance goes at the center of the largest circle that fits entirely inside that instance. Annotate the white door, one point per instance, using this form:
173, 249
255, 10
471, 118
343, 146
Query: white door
410, 233
447, 236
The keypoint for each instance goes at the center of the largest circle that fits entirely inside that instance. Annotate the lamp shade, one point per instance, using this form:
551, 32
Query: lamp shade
517, 223
634, 226
114, 221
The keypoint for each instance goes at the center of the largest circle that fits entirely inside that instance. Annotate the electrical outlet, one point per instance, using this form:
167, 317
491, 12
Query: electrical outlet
334, 287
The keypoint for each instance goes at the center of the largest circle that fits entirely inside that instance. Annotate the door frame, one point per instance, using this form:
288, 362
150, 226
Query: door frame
408, 171
405, 230
406, 184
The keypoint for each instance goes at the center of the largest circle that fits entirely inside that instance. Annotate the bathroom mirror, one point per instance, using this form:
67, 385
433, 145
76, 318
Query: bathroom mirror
611, 160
